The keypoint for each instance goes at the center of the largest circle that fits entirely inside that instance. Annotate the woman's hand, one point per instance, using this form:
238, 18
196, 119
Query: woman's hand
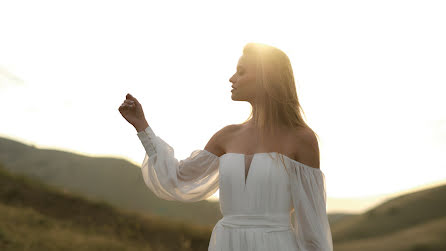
132, 111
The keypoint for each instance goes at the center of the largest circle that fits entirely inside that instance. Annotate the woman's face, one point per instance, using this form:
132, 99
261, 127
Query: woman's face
244, 80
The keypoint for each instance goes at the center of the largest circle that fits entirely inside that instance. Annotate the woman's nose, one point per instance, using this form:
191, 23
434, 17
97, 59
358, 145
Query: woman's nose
231, 79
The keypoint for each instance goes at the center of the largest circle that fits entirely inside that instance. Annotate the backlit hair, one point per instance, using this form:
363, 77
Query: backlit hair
276, 101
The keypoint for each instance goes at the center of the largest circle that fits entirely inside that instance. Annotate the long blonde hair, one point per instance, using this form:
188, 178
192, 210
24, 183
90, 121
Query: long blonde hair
277, 104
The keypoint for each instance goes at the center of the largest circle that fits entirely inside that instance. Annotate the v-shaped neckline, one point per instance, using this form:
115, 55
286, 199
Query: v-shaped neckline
247, 166
247, 174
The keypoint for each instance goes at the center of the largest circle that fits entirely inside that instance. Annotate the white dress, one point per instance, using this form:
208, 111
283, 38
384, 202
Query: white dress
256, 213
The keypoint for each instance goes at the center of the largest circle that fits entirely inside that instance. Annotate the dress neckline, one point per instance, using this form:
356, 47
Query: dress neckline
283, 155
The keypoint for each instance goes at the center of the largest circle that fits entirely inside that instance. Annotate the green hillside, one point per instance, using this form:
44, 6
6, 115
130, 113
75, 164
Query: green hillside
394, 215
411, 222
35, 216
112, 180
429, 236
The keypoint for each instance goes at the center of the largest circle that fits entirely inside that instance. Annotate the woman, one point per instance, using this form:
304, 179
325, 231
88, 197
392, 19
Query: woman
258, 194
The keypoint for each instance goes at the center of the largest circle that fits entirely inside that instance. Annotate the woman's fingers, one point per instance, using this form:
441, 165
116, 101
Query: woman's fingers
130, 97
127, 104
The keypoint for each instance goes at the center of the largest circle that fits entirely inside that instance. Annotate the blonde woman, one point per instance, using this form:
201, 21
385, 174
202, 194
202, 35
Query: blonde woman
266, 168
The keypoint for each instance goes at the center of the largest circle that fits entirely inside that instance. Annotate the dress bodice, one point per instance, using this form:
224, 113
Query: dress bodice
266, 191
257, 195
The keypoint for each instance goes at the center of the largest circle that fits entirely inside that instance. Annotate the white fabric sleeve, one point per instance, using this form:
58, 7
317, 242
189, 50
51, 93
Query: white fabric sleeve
308, 192
192, 179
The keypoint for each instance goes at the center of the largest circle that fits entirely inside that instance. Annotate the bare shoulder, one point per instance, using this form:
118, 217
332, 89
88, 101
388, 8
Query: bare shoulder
306, 147
216, 143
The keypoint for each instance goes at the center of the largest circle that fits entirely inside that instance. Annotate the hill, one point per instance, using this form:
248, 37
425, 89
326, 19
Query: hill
415, 221
112, 180
35, 216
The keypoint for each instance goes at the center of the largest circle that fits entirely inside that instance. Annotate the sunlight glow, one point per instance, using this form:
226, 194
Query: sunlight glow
370, 77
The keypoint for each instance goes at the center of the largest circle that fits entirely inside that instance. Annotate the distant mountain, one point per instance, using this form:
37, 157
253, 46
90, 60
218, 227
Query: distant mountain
34, 216
112, 180
415, 221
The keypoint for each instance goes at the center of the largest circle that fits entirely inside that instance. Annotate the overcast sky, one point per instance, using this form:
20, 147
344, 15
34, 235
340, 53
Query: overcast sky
370, 77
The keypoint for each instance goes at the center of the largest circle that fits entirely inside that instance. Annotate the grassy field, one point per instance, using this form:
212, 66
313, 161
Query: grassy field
430, 236
34, 216
411, 222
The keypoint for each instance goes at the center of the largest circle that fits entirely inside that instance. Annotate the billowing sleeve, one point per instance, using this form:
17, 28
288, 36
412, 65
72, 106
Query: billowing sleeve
192, 179
308, 192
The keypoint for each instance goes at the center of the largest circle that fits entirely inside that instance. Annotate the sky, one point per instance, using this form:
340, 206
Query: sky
370, 77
